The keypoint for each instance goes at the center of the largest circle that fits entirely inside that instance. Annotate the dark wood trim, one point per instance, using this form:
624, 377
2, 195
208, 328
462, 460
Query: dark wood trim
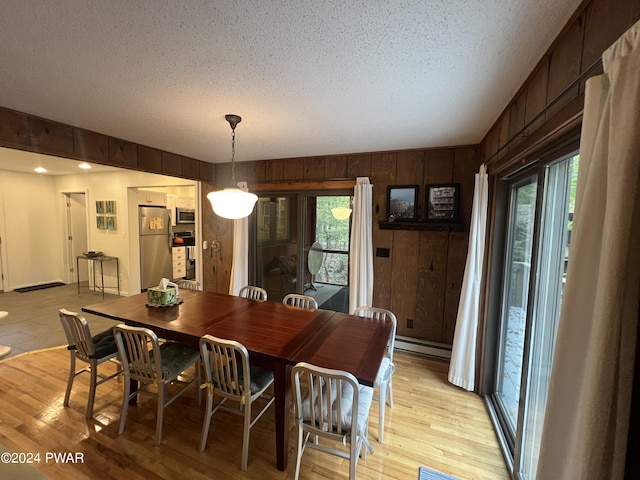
423, 226
21, 131
346, 184
567, 119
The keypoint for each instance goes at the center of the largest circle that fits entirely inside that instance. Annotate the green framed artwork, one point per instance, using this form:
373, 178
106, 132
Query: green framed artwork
110, 207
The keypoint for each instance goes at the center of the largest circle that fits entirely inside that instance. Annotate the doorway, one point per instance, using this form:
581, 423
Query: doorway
300, 244
76, 236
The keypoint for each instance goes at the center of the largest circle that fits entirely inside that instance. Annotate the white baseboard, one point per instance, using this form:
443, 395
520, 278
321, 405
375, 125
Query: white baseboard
414, 345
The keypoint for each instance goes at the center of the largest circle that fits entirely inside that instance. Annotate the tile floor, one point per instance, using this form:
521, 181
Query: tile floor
33, 322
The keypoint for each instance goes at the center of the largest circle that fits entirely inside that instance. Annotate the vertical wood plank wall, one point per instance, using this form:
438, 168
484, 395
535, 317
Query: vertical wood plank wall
592, 29
422, 277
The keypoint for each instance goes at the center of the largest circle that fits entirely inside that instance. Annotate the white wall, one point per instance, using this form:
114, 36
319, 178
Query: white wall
123, 242
33, 216
32, 228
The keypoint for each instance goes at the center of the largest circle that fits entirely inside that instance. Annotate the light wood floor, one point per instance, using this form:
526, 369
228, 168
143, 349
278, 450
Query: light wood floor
432, 424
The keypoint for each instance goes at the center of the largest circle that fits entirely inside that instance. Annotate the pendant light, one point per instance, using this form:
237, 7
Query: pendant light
232, 203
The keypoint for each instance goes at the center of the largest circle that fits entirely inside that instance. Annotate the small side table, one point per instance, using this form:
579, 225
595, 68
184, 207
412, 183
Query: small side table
98, 259
4, 351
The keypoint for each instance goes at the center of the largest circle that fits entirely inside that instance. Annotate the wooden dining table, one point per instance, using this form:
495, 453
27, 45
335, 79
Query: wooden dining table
277, 336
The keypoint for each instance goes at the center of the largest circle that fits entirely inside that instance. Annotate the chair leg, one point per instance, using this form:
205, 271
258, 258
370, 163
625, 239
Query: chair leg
390, 393
72, 375
382, 404
92, 388
245, 436
363, 445
162, 395
207, 422
299, 449
353, 457
125, 403
199, 381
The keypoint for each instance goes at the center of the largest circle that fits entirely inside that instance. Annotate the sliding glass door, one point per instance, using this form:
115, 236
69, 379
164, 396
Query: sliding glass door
332, 234
553, 248
522, 203
300, 244
536, 236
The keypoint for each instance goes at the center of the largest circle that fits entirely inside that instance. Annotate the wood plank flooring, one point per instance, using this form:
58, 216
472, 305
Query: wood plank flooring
432, 424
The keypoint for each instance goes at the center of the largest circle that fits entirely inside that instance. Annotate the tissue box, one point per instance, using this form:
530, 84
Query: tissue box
159, 297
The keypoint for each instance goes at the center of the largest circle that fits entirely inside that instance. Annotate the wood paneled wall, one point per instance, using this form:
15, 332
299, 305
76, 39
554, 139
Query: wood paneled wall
592, 29
421, 278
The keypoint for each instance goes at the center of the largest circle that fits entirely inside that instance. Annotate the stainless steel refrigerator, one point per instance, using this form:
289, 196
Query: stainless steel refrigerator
155, 245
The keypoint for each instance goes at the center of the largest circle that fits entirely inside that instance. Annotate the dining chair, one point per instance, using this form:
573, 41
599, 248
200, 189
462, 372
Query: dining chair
188, 285
334, 406
150, 364
92, 350
230, 376
297, 300
255, 293
385, 372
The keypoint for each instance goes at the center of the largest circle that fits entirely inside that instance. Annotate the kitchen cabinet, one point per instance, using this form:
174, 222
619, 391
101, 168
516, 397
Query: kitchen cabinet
183, 201
179, 262
150, 198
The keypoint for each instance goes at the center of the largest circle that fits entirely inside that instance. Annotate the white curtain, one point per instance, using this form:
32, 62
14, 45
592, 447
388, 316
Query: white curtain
361, 251
240, 265
463, 353
587, 417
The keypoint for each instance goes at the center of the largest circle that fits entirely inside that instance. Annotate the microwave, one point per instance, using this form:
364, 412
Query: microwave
185, 215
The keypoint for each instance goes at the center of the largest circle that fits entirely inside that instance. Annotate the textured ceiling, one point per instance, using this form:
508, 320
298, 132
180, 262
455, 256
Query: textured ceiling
308, 77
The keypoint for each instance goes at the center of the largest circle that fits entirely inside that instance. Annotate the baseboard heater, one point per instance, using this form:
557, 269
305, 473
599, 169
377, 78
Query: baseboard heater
424, 347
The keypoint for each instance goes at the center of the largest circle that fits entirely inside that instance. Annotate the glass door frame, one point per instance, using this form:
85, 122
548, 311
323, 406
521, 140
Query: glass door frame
512, 445
509, 439
300, 197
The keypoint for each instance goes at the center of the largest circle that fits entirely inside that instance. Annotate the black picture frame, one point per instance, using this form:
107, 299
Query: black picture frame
442, 202
402, 203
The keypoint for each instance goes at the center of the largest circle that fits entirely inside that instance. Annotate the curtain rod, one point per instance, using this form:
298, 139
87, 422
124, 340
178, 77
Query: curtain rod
583, 76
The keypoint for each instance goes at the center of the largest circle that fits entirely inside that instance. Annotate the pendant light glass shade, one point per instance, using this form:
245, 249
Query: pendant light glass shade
341, 213
232, 203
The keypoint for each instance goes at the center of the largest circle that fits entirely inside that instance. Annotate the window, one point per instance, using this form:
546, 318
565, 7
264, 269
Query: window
532, 260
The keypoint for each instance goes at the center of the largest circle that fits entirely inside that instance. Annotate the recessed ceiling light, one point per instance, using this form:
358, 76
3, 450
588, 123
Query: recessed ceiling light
84, 166
40, 170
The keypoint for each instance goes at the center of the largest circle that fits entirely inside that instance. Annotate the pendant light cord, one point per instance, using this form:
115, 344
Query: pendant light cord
233, 157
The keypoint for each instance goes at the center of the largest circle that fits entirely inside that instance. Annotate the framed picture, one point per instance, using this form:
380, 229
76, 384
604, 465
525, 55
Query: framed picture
442, 202
101, 223
110, 207
111, 223
402, 203
100, 207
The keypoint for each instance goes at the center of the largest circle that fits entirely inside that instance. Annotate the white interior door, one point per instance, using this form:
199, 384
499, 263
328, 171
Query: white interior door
77, 234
